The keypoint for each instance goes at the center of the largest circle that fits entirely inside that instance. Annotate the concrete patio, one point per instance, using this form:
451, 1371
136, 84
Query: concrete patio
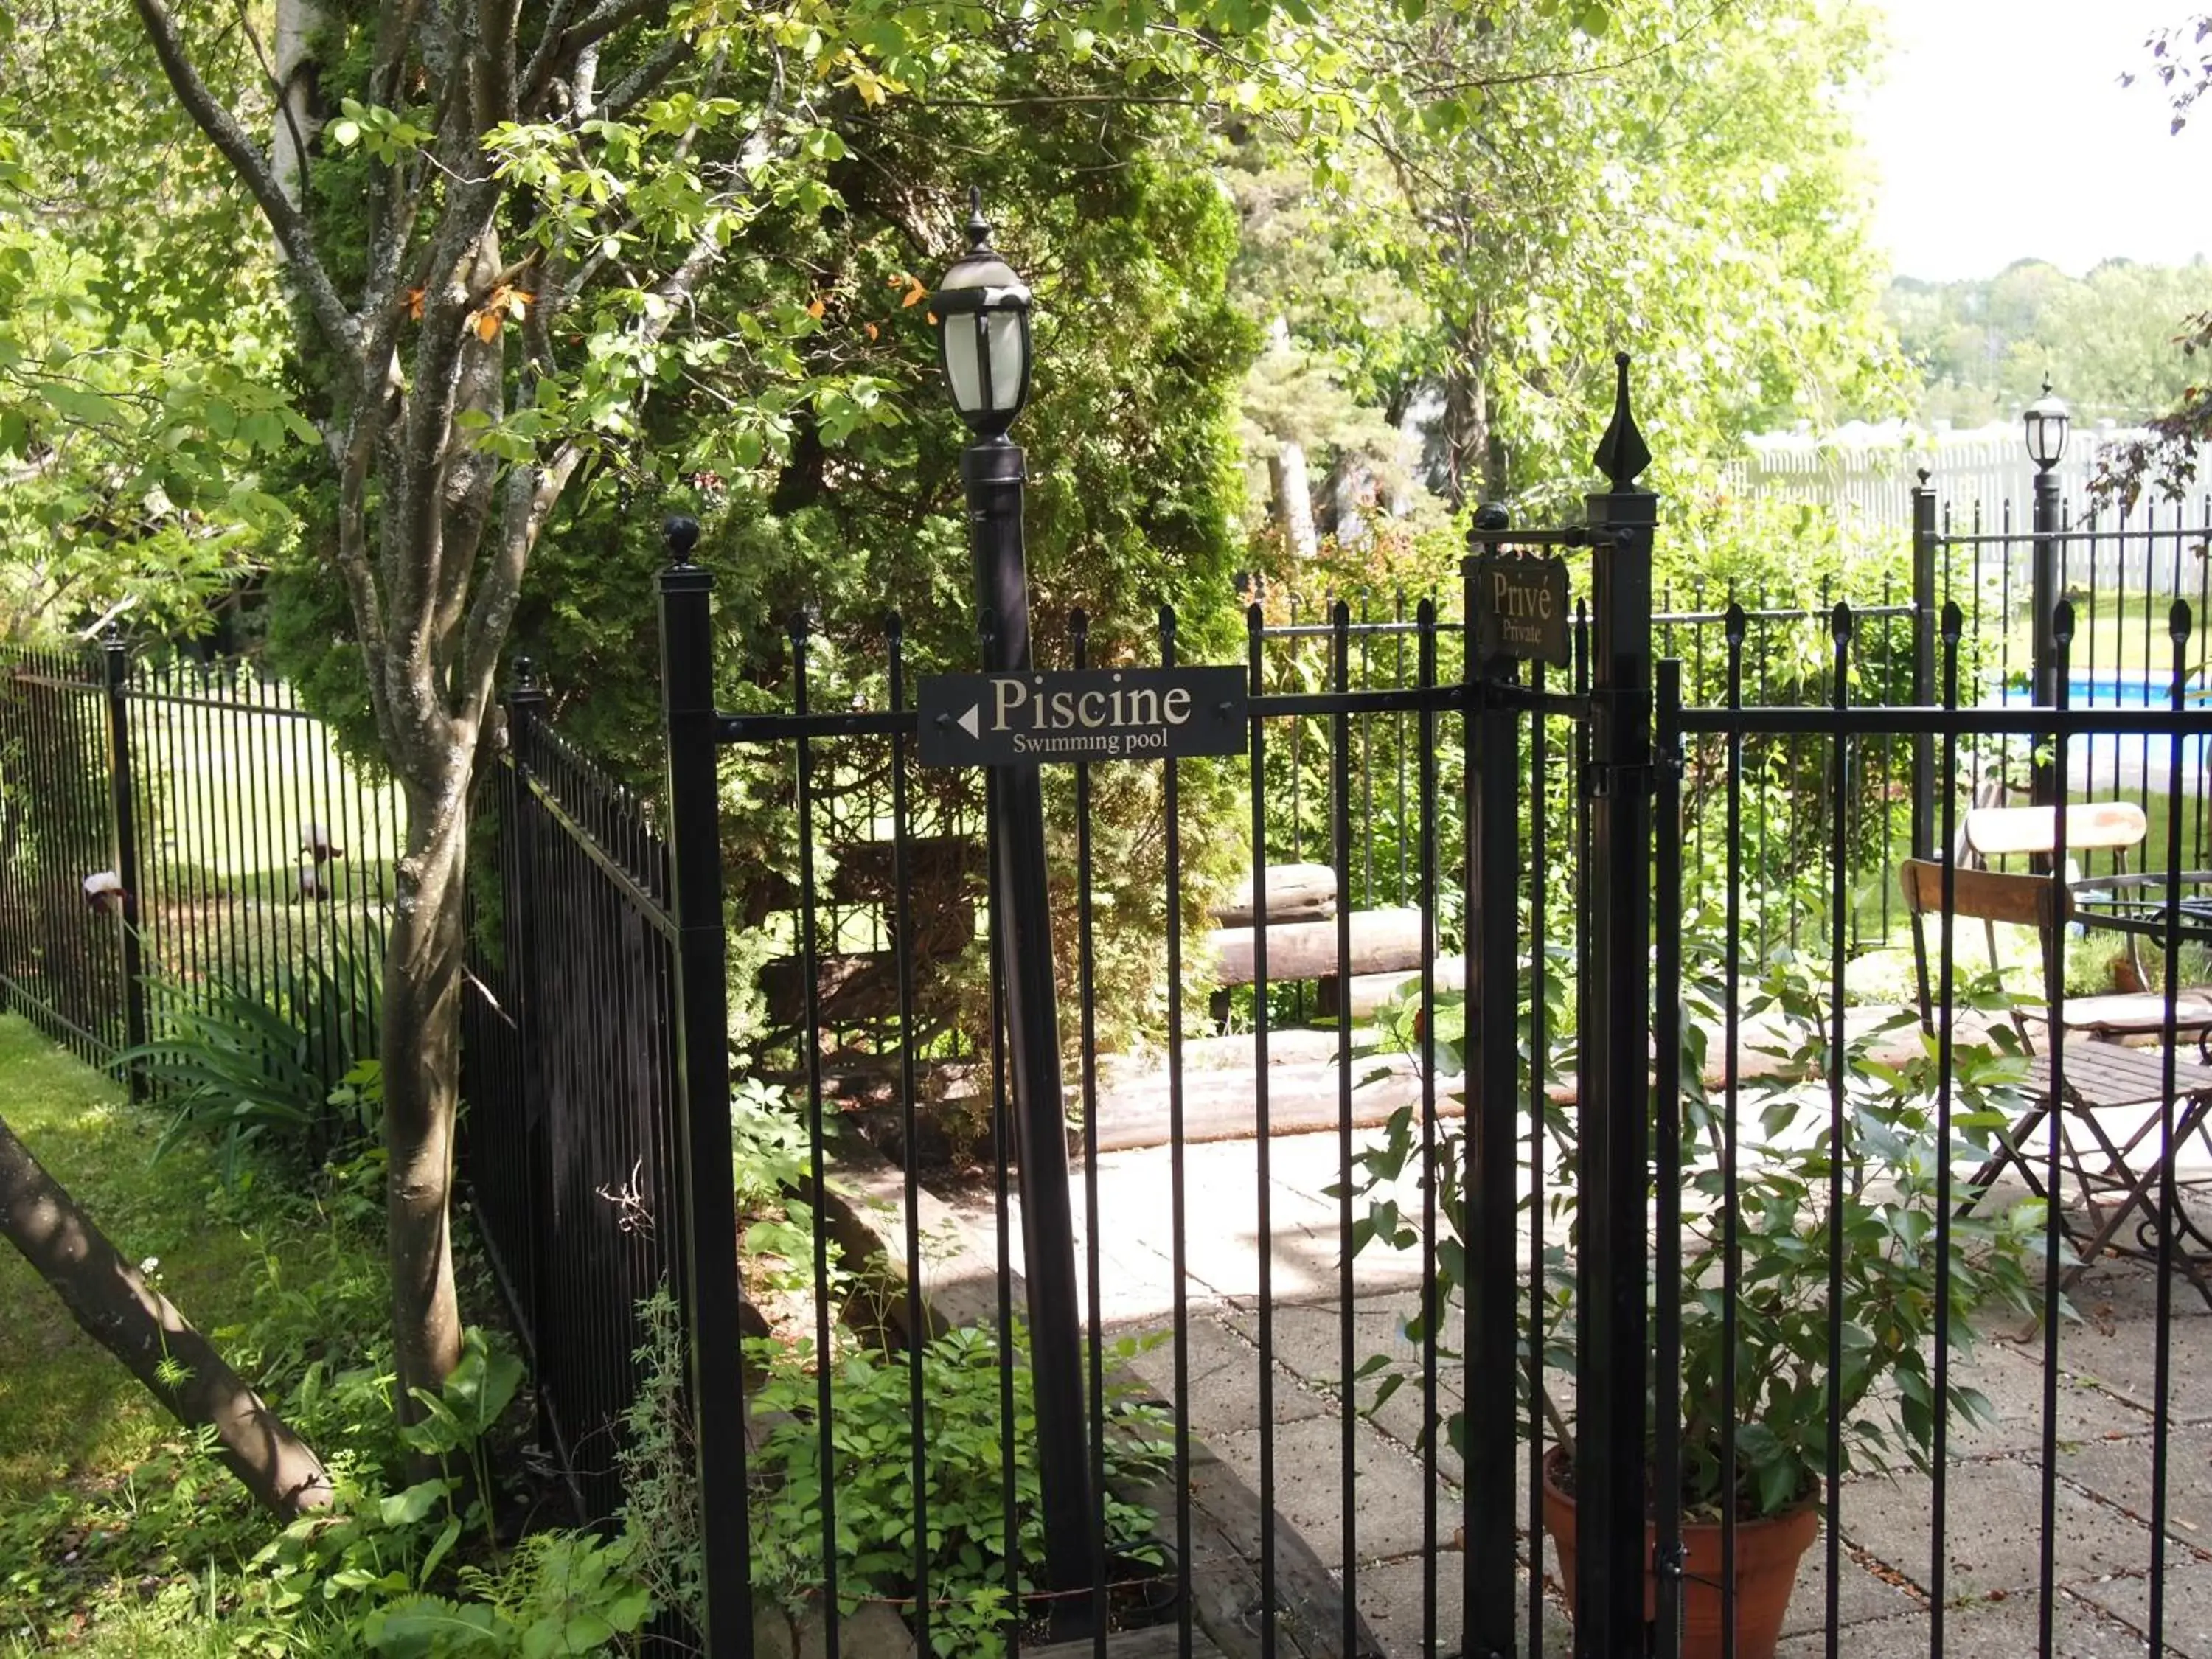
2105, 1395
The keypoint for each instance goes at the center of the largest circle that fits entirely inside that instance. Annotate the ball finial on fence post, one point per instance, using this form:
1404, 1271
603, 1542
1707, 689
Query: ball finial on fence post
681, 531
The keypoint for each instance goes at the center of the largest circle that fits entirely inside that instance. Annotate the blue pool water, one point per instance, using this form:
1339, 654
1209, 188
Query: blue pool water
2109, 688
2110, 759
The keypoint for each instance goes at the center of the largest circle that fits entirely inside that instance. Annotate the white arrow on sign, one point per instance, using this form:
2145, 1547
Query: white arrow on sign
972, 721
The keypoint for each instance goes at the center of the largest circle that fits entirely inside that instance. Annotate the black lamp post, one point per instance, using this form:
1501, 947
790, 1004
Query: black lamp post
2045, 426
984, 338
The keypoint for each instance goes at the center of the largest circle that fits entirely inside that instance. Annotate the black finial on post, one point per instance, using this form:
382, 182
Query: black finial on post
1924, 475
1621, 454
526, 674
979, 228
681, 531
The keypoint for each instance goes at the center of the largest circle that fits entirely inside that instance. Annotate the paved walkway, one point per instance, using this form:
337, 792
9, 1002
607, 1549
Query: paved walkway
2103, 1547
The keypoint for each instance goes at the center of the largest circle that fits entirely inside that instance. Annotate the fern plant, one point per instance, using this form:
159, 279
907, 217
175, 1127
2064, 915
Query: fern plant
272, 1062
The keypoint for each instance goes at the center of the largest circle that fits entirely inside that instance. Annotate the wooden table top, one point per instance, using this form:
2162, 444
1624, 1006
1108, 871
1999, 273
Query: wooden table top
2113, 1075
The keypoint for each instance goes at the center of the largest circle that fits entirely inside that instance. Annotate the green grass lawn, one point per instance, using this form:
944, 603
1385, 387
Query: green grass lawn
2116, 631
117, 1536
66, 1407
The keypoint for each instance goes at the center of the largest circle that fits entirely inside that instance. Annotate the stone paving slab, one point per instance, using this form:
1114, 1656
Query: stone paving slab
1225, 1377
2123, 1358
1310, 1486
2112, 1290
1992, 1544
1391, 1596
1861, 1596
2011, 1377
2005, 1630
1994, 1502
2119, 1471
2188, 1610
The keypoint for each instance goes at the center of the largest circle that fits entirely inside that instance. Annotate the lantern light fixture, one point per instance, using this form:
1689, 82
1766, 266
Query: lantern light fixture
2045, 423
983, 330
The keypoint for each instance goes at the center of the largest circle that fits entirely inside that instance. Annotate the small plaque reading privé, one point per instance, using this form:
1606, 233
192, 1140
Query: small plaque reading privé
1093, 714
1520, 609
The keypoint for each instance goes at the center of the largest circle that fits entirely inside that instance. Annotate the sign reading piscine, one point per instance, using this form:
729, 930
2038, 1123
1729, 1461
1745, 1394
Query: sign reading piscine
1096, 714
1520, 609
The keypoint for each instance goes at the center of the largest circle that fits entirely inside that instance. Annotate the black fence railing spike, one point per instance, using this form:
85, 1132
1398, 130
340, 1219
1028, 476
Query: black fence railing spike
2179, 622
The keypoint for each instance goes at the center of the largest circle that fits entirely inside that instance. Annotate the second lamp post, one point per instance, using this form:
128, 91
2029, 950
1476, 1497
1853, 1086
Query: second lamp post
2045, 426
984, 312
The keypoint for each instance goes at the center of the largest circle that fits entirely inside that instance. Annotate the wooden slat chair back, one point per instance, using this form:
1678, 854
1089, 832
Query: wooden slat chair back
1991, 895
2117, 827
2116, 1177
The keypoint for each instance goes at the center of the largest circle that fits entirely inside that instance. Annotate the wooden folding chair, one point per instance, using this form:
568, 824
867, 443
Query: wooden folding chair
2117, 1179
2117, 826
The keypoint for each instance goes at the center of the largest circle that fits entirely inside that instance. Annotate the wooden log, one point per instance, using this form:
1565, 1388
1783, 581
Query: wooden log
1296, 893
854, 986
1370, 991
1382, 941
1222, 1105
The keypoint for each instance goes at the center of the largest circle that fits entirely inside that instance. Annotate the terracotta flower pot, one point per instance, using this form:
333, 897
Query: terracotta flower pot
1766, 1556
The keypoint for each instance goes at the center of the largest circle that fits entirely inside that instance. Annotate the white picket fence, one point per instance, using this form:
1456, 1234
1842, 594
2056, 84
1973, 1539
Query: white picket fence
1983, 483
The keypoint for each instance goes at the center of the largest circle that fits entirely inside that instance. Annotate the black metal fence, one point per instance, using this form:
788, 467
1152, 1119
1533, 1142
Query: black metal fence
568, 1039
1497, 1191
1917, 1244
173, 833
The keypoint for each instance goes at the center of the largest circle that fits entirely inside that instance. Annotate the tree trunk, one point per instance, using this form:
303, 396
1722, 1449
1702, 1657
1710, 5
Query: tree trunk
421, 1059
298, 116
1466, 423
1474, 454
1286, 473
111, 1301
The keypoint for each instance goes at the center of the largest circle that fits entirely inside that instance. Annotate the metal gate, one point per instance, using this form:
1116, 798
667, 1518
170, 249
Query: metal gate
1557, 857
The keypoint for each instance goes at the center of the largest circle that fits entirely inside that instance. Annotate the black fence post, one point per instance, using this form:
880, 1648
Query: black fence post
1612, 1355
1021, 911
1923, 664
692, 729
1492, 1008
116, 655
526, 707
2042, 595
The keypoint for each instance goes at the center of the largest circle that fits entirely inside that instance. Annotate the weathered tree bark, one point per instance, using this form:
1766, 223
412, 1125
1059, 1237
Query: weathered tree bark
300, 25
432, 534
422, 1048
113, 1303
1474, 455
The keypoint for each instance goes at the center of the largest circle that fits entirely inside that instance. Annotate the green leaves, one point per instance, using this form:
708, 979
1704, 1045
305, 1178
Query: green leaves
466, 1405
387, 135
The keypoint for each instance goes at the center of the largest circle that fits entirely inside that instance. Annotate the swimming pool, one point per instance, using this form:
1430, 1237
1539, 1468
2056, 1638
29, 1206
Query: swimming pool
2122, 759
2106, 688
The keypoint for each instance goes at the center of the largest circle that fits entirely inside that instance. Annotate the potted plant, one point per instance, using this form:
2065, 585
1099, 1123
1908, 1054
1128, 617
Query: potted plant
1784, 1382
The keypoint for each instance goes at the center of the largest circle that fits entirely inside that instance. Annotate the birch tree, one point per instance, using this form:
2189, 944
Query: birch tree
496, 219
522, 200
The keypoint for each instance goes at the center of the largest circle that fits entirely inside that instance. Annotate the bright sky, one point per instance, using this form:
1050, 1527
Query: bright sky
2001, 130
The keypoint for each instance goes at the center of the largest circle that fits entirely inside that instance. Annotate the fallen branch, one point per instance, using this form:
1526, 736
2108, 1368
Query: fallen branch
111, 1302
